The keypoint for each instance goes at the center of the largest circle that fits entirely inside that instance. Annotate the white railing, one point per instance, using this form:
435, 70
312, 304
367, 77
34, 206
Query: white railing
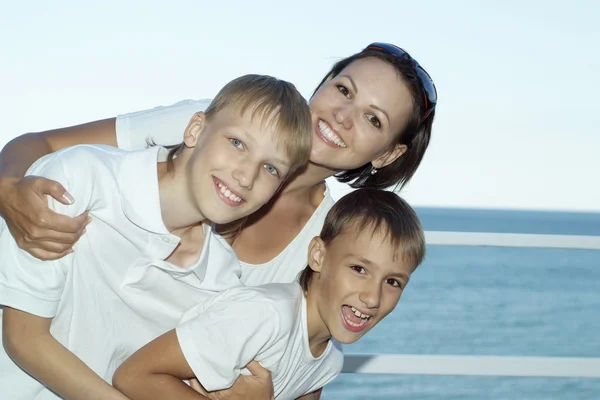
396, 364
477, 365
512, 240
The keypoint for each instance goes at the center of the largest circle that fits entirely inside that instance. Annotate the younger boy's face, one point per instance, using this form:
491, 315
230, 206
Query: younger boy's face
360, 279
236, 165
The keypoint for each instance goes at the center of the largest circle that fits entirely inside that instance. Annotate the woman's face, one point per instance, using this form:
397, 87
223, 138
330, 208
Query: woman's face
357, 116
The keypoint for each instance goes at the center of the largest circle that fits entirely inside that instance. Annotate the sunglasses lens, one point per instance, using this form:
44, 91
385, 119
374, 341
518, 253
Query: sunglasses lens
388, 48
428, 86
424, 77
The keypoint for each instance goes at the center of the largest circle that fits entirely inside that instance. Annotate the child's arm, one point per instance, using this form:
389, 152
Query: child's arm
27, 339
156, 371
35, 288
214, 346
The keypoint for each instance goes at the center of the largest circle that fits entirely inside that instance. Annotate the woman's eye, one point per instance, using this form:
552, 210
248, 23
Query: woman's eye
237, 143
374, 121
271, 169
359, 269
343, 90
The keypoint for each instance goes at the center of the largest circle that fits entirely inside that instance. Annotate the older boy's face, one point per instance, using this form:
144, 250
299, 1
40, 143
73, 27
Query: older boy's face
236, 165
360, 282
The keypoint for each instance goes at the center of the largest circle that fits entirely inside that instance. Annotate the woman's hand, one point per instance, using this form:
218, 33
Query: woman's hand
38, 230
257, 386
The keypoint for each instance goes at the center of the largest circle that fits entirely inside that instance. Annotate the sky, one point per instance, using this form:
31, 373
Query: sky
517, 125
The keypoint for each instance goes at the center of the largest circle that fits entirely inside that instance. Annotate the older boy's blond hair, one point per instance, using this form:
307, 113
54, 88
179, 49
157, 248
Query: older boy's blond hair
278, 104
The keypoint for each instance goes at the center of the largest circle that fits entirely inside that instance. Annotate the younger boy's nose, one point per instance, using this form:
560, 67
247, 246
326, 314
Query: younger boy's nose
371, 295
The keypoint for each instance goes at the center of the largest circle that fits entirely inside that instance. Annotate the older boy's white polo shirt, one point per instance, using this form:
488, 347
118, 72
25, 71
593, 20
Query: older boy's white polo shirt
165, 124
114, 293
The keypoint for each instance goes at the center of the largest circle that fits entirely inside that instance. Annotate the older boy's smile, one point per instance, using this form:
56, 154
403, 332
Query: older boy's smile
228, 195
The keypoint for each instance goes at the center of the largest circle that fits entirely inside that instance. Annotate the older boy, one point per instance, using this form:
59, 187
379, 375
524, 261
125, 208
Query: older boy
145, 258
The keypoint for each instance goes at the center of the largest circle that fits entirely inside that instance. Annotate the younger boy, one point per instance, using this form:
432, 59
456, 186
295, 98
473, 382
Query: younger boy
369, 246
69, 323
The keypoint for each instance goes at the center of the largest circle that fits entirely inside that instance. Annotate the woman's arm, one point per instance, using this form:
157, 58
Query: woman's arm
156, 371
23, 203
27, 339
21, 152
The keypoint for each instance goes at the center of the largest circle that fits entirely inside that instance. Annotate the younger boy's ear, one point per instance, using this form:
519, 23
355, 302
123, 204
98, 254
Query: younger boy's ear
316, 254
194, 129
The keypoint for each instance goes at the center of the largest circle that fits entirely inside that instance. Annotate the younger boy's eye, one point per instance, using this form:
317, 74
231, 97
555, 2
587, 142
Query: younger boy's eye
271, 170
359, 269
237, 143
343, 90
394, 283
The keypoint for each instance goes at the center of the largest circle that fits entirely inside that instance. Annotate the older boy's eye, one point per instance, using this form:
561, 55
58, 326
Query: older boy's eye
373, 120
237, 143
358, 269
343, 90
271, 170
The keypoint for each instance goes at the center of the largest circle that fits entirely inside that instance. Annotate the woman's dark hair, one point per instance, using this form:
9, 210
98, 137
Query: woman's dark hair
415, 134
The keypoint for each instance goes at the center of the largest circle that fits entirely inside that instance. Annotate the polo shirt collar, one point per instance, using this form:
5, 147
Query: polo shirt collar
138, 182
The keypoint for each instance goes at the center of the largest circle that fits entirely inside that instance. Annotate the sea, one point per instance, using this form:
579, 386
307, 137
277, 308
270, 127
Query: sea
490, 301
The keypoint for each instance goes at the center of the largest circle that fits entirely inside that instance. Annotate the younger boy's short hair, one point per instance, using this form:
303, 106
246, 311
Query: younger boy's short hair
274, 101
379, 211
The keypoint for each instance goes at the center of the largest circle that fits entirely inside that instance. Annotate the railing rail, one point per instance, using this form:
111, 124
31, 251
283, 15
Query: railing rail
512, 240
479, 365
397, 364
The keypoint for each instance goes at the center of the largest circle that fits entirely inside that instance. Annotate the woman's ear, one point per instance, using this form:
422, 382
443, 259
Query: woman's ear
390, 156
194, 129
316, 254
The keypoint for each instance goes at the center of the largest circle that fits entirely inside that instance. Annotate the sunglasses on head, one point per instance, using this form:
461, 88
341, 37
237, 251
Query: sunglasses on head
429, 92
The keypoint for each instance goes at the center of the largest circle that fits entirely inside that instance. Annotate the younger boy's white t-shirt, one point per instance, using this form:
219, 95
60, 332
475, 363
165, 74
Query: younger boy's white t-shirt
114, 293
267, 324
165, 125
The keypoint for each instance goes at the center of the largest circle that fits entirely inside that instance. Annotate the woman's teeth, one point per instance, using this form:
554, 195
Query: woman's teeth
330, 135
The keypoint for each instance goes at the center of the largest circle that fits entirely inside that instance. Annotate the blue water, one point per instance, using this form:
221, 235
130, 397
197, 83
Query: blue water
490, 301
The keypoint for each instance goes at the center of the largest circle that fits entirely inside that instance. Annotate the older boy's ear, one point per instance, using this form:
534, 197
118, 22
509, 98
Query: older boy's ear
390, 156
316, 254
194, 129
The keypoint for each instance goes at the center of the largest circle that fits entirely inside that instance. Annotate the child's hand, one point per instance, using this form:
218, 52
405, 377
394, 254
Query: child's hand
257, 386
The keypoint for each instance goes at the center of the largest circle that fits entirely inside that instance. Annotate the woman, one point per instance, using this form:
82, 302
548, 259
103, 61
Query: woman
372, 117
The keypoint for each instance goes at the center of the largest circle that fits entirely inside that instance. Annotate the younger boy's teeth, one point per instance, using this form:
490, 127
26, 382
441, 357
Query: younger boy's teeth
359, 314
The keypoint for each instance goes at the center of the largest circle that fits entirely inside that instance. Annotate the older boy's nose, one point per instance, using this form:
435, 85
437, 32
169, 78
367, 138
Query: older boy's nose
245, 174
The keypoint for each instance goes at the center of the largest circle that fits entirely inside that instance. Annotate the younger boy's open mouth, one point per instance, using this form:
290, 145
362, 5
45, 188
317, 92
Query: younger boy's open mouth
354, 320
